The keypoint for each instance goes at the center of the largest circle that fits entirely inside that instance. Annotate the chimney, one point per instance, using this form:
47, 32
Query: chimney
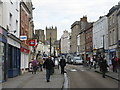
84, 19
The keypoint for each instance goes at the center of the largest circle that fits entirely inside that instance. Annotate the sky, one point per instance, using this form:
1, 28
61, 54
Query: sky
63, 13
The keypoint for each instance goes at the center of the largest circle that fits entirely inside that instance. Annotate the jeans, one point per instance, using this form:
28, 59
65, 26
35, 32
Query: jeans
48, 72
62, 69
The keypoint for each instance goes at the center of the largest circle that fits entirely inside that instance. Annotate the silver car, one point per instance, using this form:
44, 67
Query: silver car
77, 60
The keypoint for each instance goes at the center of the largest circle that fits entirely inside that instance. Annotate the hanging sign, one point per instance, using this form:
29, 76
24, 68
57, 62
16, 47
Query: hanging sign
23, 37
32, 42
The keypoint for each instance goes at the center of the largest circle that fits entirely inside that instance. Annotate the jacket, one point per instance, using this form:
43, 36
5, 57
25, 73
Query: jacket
62, 62
48, 64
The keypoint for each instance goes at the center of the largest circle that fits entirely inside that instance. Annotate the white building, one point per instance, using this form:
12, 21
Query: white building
65, 42
10, 16
100, 35
44, 49
9, 20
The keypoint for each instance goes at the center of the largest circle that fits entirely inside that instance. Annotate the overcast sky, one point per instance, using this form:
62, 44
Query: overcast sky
63, 13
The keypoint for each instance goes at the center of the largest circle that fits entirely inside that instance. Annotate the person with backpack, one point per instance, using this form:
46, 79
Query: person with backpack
62, 65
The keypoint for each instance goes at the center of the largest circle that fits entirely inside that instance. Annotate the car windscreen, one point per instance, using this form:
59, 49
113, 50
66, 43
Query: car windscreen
77, 58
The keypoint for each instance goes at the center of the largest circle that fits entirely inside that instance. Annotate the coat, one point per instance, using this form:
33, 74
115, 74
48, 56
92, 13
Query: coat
104, 66
62, 62
48, 64
34, 63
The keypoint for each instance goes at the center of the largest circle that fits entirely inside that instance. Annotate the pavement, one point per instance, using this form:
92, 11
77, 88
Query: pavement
29, 80
110, 73
38, 80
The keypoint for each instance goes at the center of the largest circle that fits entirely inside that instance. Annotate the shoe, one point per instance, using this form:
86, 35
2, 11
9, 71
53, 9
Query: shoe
48, 80
103, 76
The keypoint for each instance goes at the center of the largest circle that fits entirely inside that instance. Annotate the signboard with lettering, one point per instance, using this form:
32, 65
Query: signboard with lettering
24, 50
23, 37
1, 31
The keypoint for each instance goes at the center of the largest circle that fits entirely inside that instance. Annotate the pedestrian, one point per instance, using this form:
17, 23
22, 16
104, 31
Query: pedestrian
94, 62
34, 66
113, 64
48, 65
117, 63
91, 62
100, 61
104, 66
38, 54
40, 61
62, 65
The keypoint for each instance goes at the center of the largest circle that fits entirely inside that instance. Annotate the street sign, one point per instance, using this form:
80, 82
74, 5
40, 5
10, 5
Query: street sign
32, 42
23, 37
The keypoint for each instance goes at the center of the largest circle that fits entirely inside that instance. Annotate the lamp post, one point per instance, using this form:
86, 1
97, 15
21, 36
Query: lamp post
103, 47
50, 44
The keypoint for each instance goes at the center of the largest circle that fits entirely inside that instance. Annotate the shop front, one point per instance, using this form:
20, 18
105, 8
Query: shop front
112, 53
13, 56
24, 59
3, 55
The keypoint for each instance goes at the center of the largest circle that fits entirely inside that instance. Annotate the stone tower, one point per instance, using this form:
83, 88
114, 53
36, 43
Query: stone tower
51, 32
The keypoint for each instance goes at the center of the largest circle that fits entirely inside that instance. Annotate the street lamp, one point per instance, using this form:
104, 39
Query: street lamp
103, 46
50, 43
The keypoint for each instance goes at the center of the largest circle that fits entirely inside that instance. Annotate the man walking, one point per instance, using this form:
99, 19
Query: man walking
62, 65
104, 66
48, 64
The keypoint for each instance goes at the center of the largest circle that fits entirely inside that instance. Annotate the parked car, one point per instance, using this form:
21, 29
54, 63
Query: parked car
69, 60
77, 60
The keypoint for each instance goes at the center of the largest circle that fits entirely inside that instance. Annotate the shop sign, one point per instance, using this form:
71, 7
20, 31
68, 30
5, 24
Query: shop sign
106, 51
24, 50
112, 50
23, 37
1, 31
32, 42
119, 42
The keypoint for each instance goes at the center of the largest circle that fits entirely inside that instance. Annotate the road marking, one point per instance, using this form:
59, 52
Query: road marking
82, 70
80, 66
73, 70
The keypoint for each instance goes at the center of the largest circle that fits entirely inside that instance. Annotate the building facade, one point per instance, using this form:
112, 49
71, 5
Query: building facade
89, 40
65, 42
24, 31
10, 23
100, 37
113, 31
51, 33
118, 17
39, 33
75, 29
83, 23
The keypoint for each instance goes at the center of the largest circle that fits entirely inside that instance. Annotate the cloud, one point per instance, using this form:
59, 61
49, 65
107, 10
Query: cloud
62, 13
